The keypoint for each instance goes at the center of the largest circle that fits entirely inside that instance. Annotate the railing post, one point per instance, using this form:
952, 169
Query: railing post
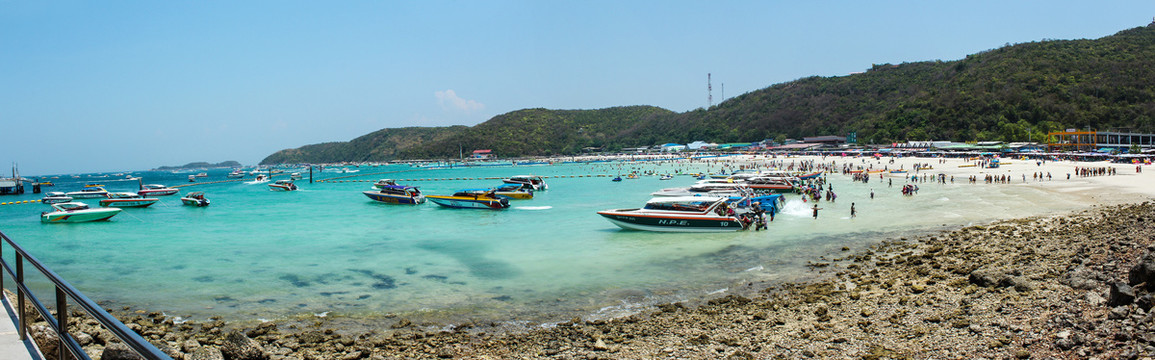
20, 297
62, 321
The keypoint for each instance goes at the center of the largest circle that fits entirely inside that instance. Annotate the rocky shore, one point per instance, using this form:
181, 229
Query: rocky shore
1067, 286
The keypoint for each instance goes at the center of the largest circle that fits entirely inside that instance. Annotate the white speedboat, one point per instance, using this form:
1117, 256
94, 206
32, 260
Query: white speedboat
74, 212
537, 182
196, 198
283, 185
295, 176
236, 174
383, 183
88, 193
127, 199
677, 214
705, 189
55, 197
156, 190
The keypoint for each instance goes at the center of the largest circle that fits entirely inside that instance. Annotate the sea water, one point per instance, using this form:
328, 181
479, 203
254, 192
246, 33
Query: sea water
328, 249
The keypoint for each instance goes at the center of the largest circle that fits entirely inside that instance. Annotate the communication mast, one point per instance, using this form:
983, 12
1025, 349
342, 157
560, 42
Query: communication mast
709, 92
723, 92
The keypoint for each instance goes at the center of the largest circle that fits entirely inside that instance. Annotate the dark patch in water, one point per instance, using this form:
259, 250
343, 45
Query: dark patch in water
327, 294
179, 267
471, 255
457, 282
503, 298
224, 299
66, 262
363, 297
295, 280
267, 301
410, 271
302, 305
382, 281
203, 279
436, 277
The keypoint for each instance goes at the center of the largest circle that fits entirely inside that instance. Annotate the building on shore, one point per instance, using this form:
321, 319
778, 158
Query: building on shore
1092, 140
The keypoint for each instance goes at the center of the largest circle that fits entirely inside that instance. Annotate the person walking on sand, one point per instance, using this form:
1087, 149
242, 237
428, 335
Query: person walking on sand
872, 194
853, 212
816, 208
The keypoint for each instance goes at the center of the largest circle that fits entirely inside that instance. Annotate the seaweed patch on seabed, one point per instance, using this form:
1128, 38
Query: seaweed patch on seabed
441, 278
382, 281
468, 254
203, 279
295, 280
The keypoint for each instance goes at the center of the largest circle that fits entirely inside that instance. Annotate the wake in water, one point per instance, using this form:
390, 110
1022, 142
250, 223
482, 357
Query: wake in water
533, 207
254, 182
797, 208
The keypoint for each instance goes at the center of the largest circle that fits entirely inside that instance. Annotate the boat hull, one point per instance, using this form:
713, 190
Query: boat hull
394, 199
670, 223
276, 187
157, 192
194, 202
88, 215
121, 203
461, 202
87, 195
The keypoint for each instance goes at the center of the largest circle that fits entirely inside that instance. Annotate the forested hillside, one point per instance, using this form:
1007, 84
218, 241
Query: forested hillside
1011, 93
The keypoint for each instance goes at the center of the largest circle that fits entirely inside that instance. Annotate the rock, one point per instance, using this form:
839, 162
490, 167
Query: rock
987, 277
1118, 312
311, 337
1081, 278
1021, 284
206, 353
1143, 272
83, 339
401, 323
189, 346
600, 345
1145, 302
1093, 298
1121, 294
358, 354
119, 351
237, 346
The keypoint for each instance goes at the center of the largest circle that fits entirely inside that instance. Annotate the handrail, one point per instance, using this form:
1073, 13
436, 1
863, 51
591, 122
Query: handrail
59, 324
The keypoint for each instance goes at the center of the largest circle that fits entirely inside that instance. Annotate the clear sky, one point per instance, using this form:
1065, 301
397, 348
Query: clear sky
88, 86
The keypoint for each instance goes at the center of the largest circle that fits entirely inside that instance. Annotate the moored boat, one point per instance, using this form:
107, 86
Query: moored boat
396, 194
196, 198
55, 197
74, 212
295, 176
156, 190
236, 174
534, 181
677, 214
127, 199
88, 193
467, 200
283, 185
507, 191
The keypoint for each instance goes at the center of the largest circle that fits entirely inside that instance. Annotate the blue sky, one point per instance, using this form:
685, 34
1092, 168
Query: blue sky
91, 86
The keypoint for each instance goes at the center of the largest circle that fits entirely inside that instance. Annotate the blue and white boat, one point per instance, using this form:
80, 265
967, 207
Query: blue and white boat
396, 194
677, 214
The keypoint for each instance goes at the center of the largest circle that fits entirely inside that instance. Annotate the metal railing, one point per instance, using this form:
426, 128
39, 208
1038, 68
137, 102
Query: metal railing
59, 323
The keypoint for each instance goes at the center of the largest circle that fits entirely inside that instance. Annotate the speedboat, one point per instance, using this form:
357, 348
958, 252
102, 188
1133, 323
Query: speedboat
283, 185
89, 193
295, 176
74, 212
201, 175
666, 177
706, 189
156, 190
127, 199
236, 174
507, 191
196, 198
381, 184
677, 214
55, 197
534, 181
396, 194
192, 178
261, 178
469, 200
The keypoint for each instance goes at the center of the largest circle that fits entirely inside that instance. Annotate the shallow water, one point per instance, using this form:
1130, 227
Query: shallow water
257, 254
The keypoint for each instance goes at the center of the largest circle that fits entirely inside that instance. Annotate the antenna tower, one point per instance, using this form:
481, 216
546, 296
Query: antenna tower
723, 92
709, 92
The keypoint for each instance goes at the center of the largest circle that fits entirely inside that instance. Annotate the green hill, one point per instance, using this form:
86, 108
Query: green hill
1006, 94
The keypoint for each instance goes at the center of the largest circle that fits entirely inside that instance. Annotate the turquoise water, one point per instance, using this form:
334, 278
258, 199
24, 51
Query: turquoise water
257, 254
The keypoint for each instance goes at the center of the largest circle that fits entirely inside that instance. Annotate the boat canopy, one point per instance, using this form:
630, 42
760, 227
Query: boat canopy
70, 206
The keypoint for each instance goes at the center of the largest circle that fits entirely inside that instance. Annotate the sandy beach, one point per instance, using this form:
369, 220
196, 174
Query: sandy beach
1060, 285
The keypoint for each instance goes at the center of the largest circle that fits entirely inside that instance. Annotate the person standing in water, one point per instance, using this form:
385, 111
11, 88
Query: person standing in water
816, 208
853, 212
871, 194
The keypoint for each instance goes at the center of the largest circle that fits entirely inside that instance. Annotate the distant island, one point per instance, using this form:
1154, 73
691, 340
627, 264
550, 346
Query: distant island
202, 165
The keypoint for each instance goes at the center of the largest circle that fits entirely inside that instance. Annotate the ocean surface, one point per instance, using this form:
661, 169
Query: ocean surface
329, 250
